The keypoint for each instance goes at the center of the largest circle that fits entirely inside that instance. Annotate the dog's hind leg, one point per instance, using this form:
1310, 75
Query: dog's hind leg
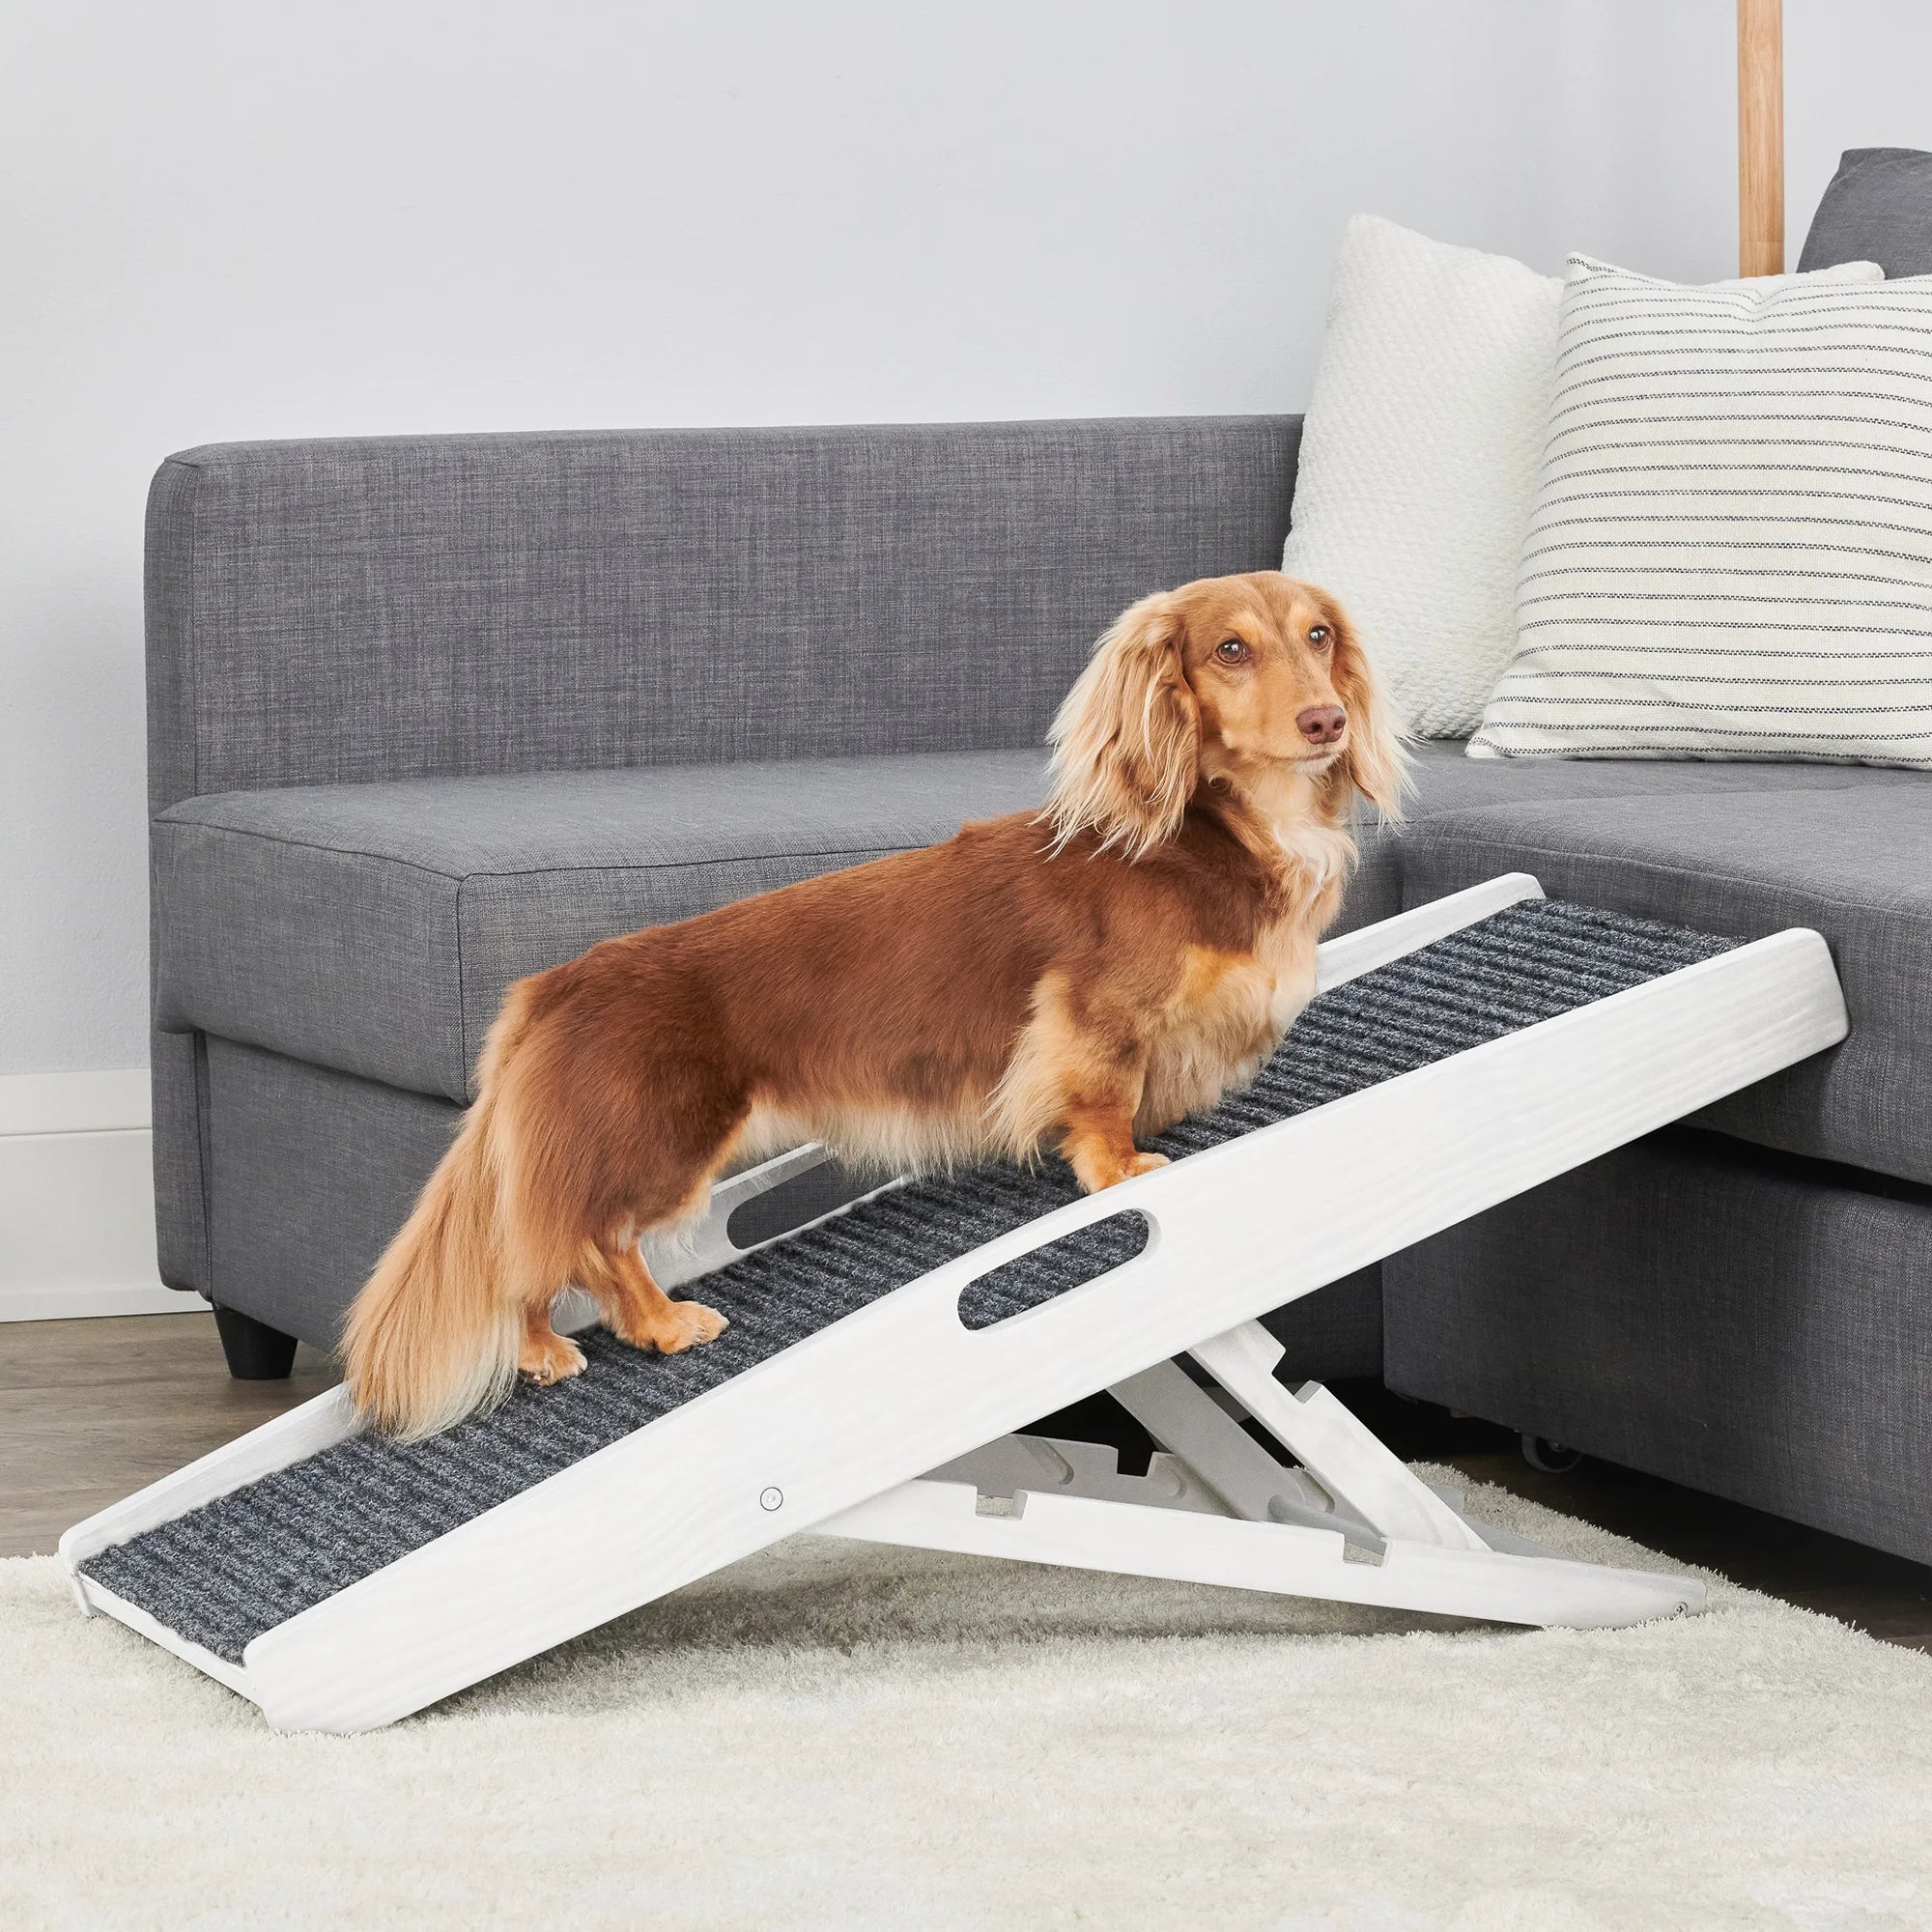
639, 1311
543, 1355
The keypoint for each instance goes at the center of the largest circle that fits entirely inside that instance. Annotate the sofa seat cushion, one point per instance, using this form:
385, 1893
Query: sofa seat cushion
1854, 860
373, 927
1447, 780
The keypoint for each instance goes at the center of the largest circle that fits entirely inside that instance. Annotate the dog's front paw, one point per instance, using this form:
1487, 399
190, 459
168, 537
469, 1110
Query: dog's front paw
679, 1326
544, 1359
1094, 1173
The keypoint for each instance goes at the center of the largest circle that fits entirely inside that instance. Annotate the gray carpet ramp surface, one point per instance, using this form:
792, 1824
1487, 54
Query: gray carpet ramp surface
223, 1574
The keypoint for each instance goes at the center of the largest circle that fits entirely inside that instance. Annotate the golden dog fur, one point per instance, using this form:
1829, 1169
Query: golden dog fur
1066, 980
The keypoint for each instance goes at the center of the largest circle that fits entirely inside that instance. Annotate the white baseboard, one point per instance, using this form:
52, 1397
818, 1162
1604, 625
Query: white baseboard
74, 1103
70, 1301
77, 1198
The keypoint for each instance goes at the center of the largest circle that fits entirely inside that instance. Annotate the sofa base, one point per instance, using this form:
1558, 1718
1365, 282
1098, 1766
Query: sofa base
312, 1170
1745, 1324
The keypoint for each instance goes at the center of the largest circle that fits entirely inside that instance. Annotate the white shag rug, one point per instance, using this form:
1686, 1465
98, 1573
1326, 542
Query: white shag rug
832, 1735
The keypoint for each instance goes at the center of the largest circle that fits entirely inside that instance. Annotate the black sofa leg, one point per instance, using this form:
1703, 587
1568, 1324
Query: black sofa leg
255, 1351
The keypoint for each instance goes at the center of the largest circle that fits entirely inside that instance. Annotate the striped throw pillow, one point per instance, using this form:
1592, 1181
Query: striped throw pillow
1731, 551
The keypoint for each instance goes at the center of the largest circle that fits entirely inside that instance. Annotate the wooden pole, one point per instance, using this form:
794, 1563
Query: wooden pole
1760, 137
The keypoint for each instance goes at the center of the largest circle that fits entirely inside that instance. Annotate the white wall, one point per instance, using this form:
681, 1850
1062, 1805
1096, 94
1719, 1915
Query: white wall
247, 220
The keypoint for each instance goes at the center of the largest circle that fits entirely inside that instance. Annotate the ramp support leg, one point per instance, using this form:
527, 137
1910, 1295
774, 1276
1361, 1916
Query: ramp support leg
1186, 1545
1345, 1457
1354, 1525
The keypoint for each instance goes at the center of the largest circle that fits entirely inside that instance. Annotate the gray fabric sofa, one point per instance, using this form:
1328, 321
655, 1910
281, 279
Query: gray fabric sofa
427, 714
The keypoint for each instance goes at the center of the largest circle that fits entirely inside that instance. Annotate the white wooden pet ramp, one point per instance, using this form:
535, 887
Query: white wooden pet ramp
878, 1359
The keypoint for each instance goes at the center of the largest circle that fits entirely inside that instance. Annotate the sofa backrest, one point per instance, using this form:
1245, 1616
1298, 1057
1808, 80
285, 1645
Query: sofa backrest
406, 607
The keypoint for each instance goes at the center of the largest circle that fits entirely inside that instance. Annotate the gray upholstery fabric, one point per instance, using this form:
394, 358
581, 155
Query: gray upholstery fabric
310, 1172
1877, 209
1334, 1333
1855, 863
1689, 1308
1448, 779
373, 927
176, 1081
338, 611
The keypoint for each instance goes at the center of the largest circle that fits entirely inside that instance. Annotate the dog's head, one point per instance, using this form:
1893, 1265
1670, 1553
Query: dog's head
1231, 678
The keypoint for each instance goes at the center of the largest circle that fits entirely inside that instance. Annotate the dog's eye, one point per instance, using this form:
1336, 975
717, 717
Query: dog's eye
1230, 650
1319, 636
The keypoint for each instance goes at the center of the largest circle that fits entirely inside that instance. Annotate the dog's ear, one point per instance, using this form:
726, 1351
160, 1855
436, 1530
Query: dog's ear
1126, 744
1377, 762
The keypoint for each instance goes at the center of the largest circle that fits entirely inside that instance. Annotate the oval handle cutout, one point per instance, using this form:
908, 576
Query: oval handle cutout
1071, 1262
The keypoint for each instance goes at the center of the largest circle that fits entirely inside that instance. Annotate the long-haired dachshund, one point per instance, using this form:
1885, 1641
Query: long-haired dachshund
1060, 981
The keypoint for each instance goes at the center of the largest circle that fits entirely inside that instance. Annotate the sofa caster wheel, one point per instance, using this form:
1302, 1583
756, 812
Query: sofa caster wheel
255, 1351
1553, 1459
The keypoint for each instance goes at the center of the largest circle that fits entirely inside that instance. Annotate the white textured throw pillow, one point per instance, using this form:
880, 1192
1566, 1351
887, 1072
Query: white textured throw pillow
1419, 460
1731, 551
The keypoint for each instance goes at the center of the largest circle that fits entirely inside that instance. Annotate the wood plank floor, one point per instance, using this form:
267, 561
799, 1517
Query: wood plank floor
91, 1411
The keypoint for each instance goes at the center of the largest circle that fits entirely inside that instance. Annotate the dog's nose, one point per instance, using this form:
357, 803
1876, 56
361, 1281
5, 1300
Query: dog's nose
1322, 723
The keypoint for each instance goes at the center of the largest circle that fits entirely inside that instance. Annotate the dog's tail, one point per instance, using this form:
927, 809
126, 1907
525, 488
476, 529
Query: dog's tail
433, 1336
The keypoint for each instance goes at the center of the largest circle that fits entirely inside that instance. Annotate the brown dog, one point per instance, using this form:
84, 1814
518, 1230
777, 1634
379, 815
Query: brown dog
1066, 980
